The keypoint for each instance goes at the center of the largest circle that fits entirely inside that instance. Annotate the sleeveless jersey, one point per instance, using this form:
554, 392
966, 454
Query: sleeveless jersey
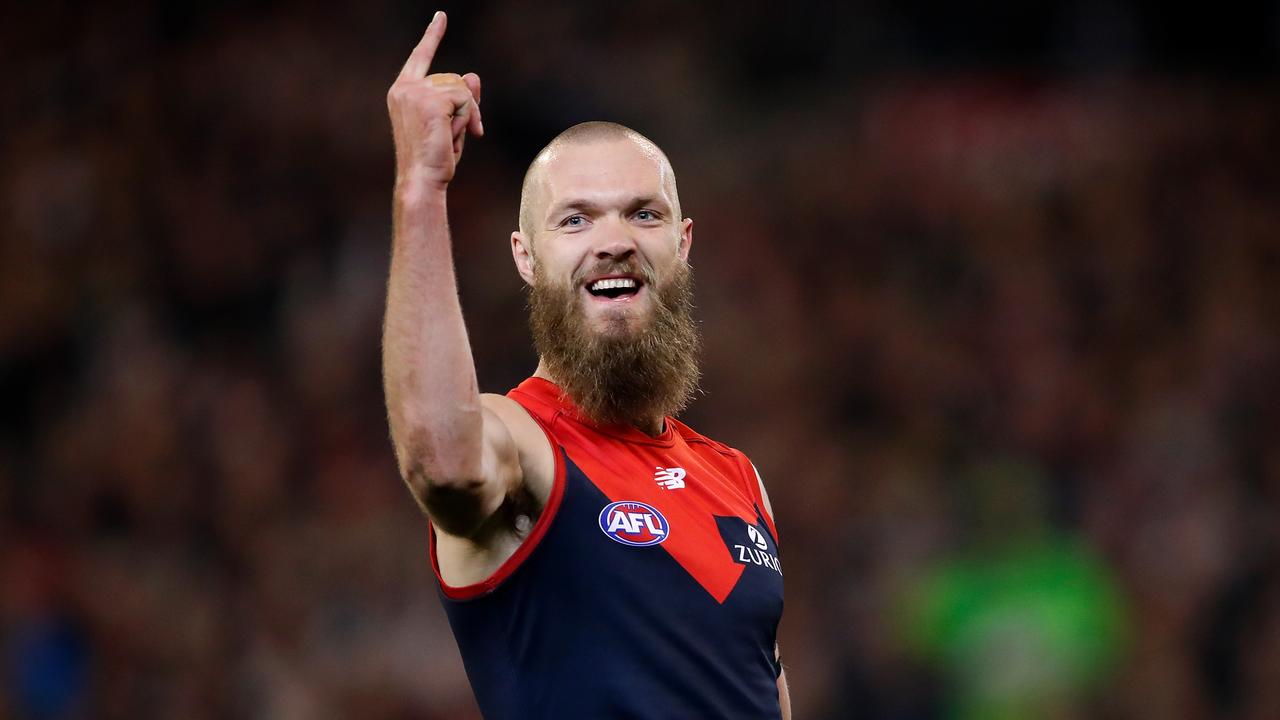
649, 587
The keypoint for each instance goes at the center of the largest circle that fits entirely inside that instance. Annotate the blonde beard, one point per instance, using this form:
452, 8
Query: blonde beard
626, 375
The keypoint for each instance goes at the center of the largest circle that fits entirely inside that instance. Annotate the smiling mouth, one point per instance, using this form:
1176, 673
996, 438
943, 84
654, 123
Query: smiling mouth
615, 288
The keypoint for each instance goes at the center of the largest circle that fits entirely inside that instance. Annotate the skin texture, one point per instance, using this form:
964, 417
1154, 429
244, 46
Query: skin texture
478, 465
533, 191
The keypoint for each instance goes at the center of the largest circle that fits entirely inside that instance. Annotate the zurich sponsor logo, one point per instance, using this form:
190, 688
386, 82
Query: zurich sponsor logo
634, 523
757, 553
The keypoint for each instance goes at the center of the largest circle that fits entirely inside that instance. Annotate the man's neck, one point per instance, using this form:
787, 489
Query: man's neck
653, 427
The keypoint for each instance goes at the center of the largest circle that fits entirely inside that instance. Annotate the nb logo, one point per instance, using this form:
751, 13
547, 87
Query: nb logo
634, 523
670, 478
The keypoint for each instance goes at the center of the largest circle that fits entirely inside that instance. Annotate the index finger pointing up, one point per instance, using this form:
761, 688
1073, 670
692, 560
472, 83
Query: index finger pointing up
419, 61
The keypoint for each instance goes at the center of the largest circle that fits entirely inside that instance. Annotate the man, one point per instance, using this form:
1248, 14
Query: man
596, 558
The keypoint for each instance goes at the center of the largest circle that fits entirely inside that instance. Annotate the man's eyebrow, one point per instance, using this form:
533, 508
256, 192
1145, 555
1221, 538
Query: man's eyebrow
653, 200
584, 205
561, 208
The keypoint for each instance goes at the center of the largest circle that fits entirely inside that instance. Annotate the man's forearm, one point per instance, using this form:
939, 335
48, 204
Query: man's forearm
433, 403
784, 696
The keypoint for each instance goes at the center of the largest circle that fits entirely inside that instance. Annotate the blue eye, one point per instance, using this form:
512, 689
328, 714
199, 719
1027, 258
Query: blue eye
574, 221
646, 215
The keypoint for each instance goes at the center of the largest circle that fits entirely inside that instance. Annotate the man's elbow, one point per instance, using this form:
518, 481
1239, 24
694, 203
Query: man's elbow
455, 510
456, 507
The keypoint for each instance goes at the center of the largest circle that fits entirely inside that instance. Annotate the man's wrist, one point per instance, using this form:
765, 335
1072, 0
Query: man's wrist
414, 189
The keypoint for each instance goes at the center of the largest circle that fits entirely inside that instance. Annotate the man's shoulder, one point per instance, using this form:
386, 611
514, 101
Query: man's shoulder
537, 397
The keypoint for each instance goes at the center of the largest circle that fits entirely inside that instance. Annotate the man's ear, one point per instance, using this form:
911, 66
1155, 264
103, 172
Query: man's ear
686, 238
522, 253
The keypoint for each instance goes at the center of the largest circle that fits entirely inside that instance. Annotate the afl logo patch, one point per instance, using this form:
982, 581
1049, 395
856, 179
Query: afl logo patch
634, 523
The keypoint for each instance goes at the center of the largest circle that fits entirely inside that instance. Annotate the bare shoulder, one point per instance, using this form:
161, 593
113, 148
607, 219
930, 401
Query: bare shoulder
537, 460
764, 494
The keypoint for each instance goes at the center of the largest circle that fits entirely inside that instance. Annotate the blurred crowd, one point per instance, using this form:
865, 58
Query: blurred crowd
1001, 341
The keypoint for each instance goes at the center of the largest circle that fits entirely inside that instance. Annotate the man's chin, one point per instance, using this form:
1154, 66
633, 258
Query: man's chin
616, 325
615, 320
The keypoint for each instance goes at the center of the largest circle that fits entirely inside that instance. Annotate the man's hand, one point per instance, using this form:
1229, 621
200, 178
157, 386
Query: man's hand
431, 115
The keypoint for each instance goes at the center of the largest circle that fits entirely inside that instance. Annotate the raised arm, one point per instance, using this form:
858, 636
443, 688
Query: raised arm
454, 449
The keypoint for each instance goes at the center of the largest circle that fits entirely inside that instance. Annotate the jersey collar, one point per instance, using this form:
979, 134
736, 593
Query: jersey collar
553, 395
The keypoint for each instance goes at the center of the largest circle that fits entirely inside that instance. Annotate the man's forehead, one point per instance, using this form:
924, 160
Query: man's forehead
621, 166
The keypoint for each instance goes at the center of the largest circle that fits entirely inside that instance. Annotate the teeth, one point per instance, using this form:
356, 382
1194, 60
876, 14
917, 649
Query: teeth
612, 283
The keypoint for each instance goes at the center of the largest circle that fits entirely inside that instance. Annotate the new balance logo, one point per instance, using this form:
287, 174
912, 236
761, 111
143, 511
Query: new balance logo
670, 478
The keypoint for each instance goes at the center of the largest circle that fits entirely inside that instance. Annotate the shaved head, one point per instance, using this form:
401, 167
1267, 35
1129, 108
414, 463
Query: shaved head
533, 194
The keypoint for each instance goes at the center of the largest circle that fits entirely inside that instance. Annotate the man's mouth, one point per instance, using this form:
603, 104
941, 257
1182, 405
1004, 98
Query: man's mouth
616, 288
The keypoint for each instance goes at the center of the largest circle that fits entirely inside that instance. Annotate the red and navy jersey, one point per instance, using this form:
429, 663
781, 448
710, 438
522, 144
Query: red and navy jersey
649, 587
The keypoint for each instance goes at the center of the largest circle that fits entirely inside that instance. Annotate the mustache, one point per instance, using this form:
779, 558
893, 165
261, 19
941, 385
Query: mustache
630, 266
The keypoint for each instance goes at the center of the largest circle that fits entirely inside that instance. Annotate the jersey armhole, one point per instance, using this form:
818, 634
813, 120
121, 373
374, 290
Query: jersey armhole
530, 543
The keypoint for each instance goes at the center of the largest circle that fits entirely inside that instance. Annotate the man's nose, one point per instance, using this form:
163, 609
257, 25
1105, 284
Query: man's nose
616, 242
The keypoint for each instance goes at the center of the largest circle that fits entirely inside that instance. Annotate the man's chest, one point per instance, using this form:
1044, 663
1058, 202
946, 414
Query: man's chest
691, 506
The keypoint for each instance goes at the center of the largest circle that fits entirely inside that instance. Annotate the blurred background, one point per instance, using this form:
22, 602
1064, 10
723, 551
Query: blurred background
990, 295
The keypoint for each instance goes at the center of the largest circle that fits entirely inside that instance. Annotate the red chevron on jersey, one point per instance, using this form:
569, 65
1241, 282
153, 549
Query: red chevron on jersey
668, 490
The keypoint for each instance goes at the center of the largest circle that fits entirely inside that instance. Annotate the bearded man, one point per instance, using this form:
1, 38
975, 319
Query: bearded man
596, 557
